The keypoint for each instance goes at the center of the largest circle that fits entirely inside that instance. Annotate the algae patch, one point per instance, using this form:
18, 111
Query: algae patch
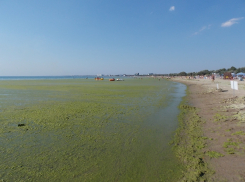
238, 133
214, 154
82, 130
188, 144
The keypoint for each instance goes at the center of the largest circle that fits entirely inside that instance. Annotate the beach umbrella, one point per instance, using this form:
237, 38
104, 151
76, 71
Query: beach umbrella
240, 74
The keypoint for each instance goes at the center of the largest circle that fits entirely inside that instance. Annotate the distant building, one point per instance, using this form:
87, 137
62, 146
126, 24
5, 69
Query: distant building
136, 74
150, 74
100, 75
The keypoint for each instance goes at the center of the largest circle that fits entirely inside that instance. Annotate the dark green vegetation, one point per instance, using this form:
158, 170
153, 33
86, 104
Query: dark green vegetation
231, 145
239, 133
220, 118
214, 154
189, 143
87, 130
209, 72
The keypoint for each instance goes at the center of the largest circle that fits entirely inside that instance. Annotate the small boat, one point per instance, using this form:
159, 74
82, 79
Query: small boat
98, 78
119, 79
112, 79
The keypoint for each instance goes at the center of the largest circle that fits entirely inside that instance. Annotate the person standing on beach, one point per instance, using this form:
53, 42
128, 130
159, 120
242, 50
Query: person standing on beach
213, 78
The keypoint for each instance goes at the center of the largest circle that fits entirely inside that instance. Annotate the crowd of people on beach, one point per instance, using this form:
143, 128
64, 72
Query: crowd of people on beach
210, 77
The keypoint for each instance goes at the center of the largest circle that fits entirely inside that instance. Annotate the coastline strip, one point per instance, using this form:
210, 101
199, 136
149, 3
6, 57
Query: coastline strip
188, 144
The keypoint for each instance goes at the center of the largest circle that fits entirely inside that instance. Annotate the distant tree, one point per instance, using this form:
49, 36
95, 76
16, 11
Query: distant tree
232, 68
221, 71
242, 69
204, 72
182, 73
207, 72
238, 70
193, 74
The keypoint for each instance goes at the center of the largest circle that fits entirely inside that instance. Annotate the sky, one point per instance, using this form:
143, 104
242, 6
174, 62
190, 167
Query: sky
89, 37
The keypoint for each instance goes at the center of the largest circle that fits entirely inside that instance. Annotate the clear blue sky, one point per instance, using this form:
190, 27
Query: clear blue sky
79, 37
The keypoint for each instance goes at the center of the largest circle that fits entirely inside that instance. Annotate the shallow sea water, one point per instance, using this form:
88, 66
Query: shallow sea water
87, 130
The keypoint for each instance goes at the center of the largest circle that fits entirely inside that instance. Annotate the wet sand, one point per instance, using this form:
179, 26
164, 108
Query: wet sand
223, 111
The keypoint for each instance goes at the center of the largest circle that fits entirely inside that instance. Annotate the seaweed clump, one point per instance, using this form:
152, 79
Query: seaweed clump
188, 144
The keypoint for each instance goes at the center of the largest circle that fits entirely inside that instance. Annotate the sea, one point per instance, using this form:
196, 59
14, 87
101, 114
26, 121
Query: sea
46, 77
75, 128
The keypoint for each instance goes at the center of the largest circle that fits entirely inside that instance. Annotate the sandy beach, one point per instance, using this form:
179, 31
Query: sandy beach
223, 112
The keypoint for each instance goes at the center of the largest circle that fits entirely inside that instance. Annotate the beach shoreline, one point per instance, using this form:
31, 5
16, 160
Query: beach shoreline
223, 114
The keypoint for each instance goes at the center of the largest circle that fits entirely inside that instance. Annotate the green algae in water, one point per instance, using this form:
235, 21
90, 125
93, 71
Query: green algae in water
85, 130
189, 143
